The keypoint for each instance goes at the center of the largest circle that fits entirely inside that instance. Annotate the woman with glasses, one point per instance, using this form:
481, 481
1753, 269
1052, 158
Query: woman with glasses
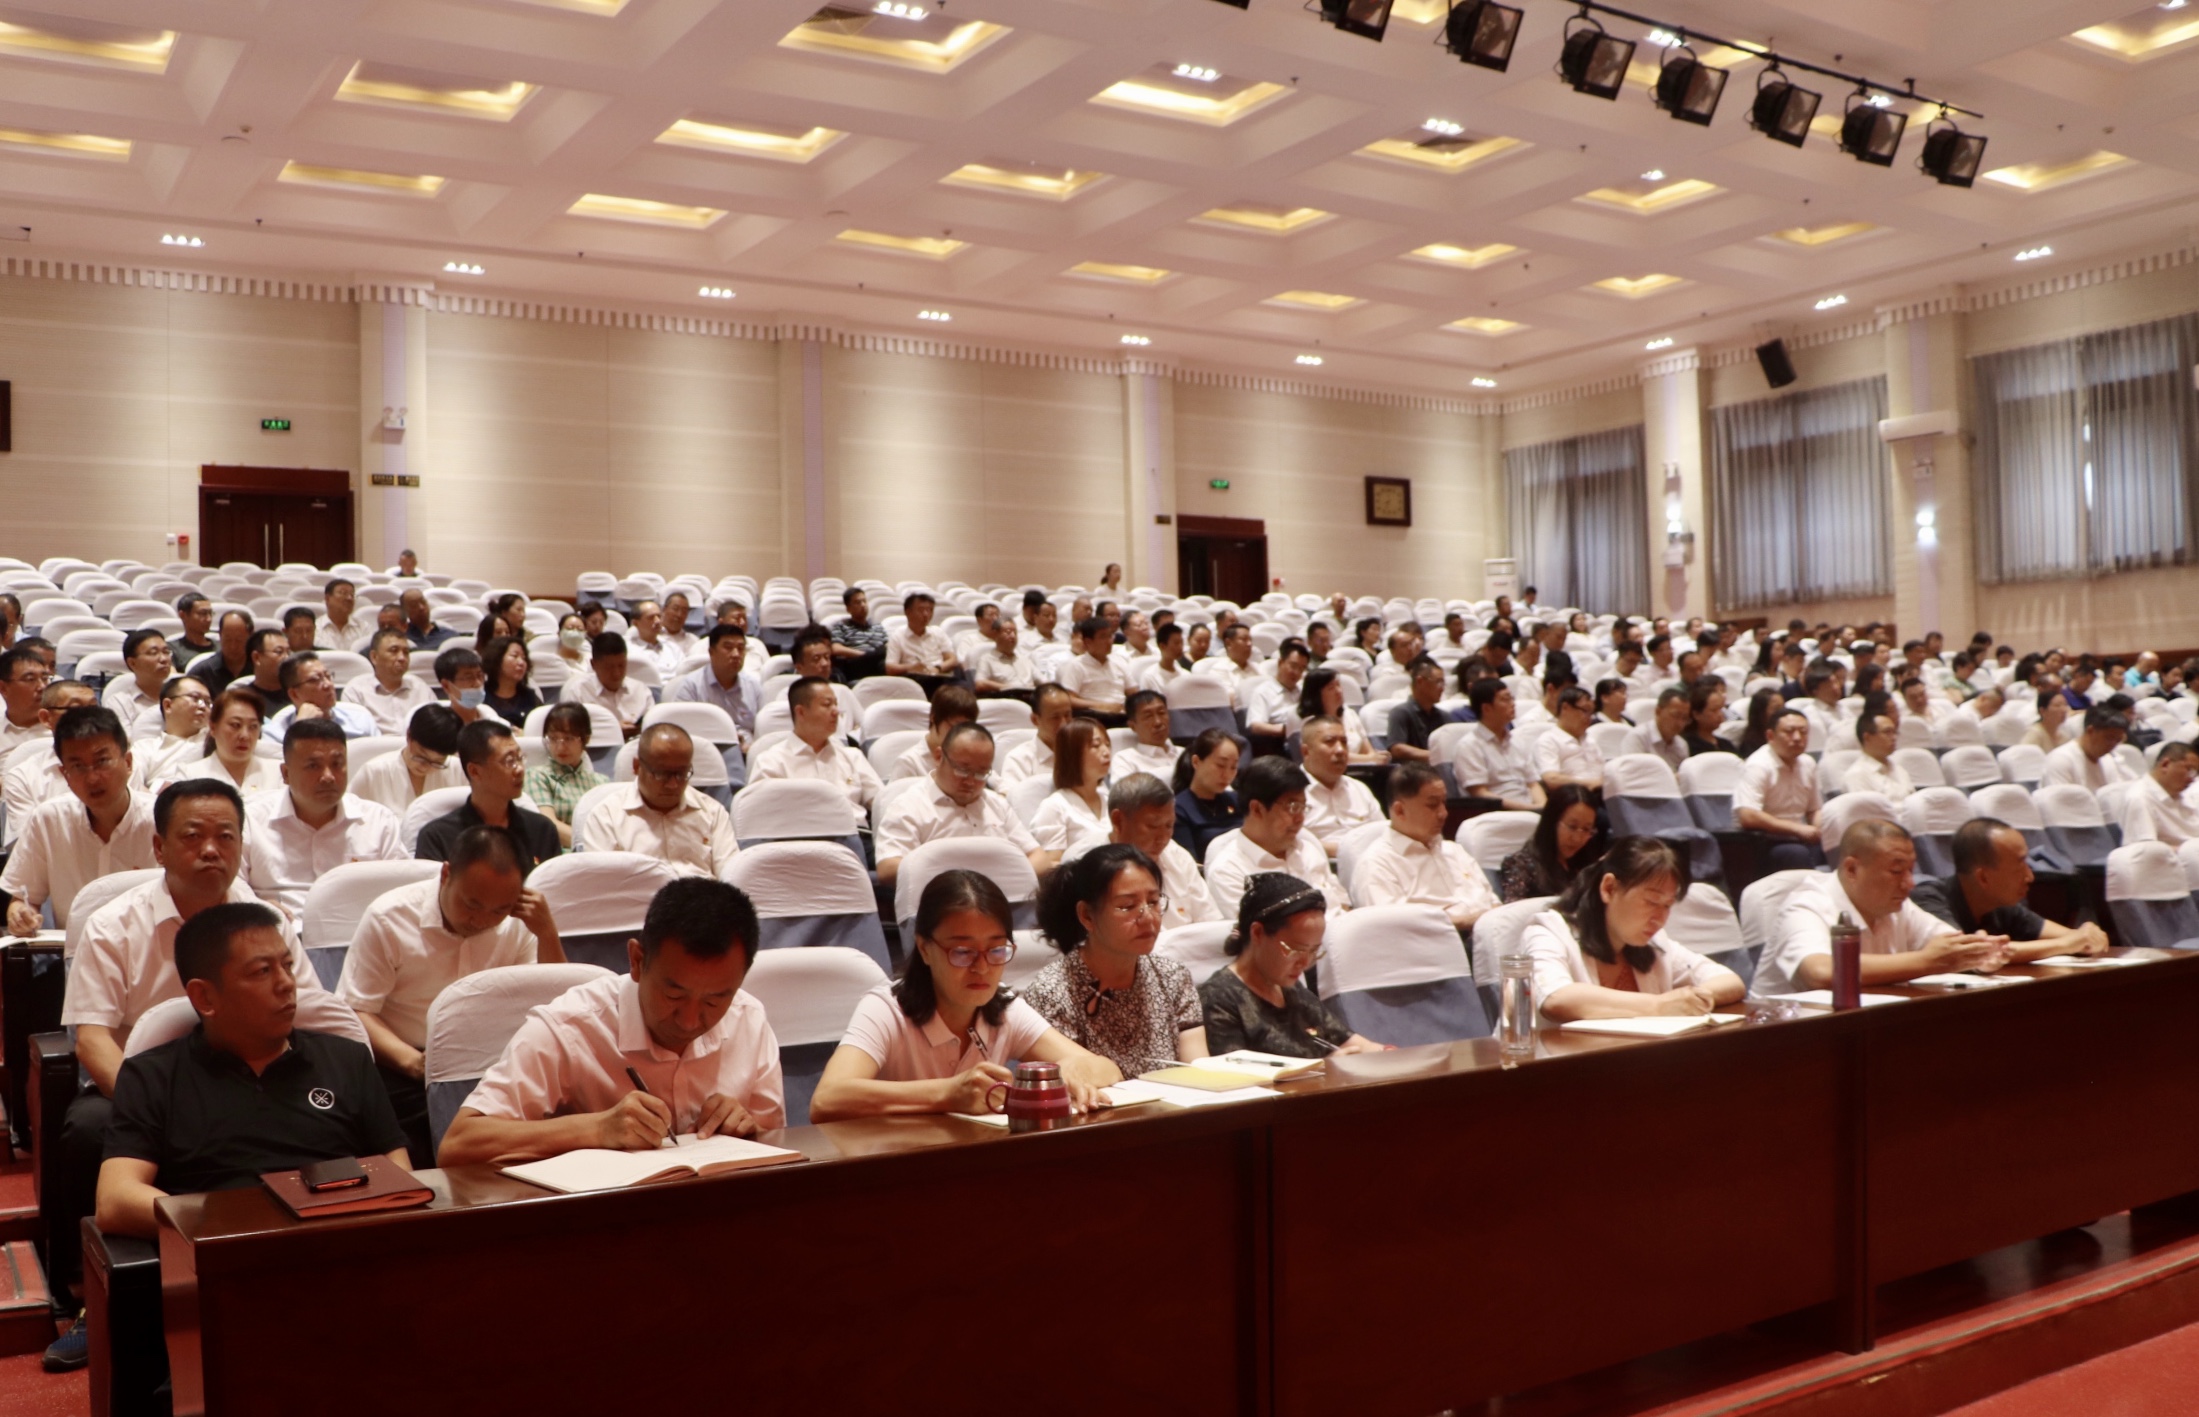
1257, 1002
1077, 807
940, 1037
1602, 952
1109, 992
509, 666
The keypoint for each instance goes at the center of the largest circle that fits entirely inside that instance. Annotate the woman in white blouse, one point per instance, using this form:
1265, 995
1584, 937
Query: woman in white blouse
1602, 952
1320, 696
940, 1037
1077, 807
236, 737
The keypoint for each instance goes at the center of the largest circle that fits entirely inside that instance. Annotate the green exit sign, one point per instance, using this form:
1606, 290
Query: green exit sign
274, 425
1219, 484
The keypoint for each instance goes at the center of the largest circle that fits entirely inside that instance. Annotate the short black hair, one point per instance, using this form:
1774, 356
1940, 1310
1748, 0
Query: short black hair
455, 661
19, 654
847, 597
2105, 718
337, 584
375, 642
435, 727
89, 721
1033, 599
138, 639
1267, 780
1091, 628
184, 790
1085, 881
724, 631
1483, 692
294, 666
1045, 691
608, 645
313, 730
573, 718
478, 739
294, 612
914, 596
801, 691
493, 845
1406, 779
1973, 843
202, 945
1135, 704
706, 917
258, 641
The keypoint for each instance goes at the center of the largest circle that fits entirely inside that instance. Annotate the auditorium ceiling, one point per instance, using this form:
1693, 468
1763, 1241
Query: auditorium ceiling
1249, 190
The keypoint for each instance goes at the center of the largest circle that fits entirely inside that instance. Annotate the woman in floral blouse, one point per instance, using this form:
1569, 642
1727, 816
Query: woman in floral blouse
1108, 993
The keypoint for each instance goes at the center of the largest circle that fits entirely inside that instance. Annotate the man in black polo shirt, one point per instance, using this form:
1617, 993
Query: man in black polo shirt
1414, 720
496, 769
1986, 893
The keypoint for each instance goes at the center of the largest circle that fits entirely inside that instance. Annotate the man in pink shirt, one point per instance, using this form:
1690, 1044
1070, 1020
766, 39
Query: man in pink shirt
706, 1057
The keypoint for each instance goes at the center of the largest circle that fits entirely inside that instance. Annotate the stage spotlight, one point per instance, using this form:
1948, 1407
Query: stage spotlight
1361, 17
1782, 110
1687, 88
1238, 4
1952, 155
1593, 62
1481, 32
1869, 133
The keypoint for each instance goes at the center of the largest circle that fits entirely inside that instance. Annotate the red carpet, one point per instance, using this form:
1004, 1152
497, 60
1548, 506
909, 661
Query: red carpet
2156, 1378
26, 1390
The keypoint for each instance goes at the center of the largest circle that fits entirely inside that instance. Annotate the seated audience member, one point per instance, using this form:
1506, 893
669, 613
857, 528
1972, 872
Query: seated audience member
197, 614
1147, 713
242, 1093
267, 649
2159, 808
505, 668
236, 730
1002, 665
1258, 1000
1336, 802
1988, 891
939, 1038
722, 681
147, 656
294, 837
674, 631
1172, 664
1240, 667
1823, 697
1567, 838
733, 611
1040, 616
1706, 713
24, 675
955, 803
1611, 695
702, 1047
2091, 761
1876, 771
916, 649
858, 645
1413, 863
1491, 761
1109, 993
101, 827
33, 774
417, 939
814, 750
660, 814
420, 626
1602, 952
1051, 707
1414, 721
391, 694
557, 784
1565, 757
1077, 807
647, 642
2047, 733
1141, 812
298, 632
232, 656
186, 705
1665, 735
953, 704
1778, 794
812, 652
422, 765
341, 627
1870, 888
1272, 837
606, 685
465, 685
1764, 706
311, 690
1321, 695
1269, 704
496, 771
1206, 807
1097, 681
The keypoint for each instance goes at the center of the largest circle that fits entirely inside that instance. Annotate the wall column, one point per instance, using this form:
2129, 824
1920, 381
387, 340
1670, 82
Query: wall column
1928, 511
1676, 470
809, 540
1149, 475
393, 374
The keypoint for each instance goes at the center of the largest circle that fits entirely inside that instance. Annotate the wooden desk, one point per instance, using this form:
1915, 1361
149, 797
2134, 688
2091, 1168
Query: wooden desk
1375, 1246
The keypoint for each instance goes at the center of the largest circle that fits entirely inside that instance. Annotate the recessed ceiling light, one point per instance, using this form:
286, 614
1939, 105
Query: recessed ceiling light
1426, 146
939, 315
1196, 73
461, 268
643, 211
916, 38
1313, 300
895, 10
1484, 325
1192, 93
1636, 287
352, 180
715, 292
782, 144
1056, 184
2024, 177
1471, 257
936, 248
1108, 270
2037, 251
1655, 174
1310, 360
89, 145
90, 42
1444, 126
1140, 340
397, 86
1482, 383
1664, 343
1832, 302
1270, 220
171, 239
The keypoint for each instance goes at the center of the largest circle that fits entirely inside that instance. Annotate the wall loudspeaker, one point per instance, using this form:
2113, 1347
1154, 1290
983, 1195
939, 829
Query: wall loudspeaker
1778, 369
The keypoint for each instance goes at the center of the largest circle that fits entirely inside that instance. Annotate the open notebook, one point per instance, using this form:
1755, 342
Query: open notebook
1651, 1025
599, 1169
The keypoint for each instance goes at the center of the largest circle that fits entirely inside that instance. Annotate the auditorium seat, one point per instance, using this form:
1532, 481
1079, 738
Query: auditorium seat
808, 997
473, 1019
1400, 975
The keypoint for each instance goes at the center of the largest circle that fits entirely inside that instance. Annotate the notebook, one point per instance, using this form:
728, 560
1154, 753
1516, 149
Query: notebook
2093, 961
1971, 981
1145, 1089
388, 1187
1267, 1067
1202, 1078
1823, 999
1651, 1025
598, 1169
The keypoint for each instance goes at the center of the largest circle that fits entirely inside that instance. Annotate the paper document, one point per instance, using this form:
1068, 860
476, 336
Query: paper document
1270, 1067
1651, 1025
988, 1119
1823, 999
1971, 981
2092, 961
600, 1169
1137, 1090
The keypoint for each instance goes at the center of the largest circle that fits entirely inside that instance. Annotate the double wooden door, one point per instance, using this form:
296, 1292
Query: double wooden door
269, 525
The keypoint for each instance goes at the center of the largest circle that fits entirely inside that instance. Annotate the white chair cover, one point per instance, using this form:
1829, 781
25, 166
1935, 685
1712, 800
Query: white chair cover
2024, 763
879, 688
998, 716
1639, 775
1961, 730
1353, 846
2010, 803
1391, 945
474, 1018
1198, 948
1009, 869
1492, 836
886, 750
2067, 805
164, 1022
1197, 691
2188, 853
433, 803
1616, 739
895, 716
2147, 870
94, 894
1496, 936
1711, 774
336, 902
1029, 795
1703, 920
705, 723
1762, 901
1969, 767
1845, 811
1922, 765
1936, 811
361, 751
789, 878
1832, 771
784, 807
810, 994
588, 802
600, 892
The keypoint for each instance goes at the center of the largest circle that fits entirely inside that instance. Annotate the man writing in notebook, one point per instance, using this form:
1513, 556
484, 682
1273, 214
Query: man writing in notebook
623, 1062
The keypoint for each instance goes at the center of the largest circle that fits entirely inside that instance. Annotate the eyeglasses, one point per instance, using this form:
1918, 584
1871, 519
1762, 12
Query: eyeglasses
1131, 910
106, 764
423, 762
1316, 953
682, 776
513, 761
964, 956
957, 771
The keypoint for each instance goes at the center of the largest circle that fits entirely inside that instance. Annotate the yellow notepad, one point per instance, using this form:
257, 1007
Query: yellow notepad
1193, 1076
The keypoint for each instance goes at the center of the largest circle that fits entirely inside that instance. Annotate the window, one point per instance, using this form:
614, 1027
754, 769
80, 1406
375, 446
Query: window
1798, 497
1580, 520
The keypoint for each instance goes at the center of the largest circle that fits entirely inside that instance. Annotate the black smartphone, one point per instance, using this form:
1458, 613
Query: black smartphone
333, 1175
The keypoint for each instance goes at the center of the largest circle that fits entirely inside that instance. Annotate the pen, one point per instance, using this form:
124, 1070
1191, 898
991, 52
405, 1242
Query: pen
1320, 1040
978, 1040
641, 1087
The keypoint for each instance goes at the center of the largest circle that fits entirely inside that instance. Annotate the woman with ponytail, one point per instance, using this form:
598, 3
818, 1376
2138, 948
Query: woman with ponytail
1602, 952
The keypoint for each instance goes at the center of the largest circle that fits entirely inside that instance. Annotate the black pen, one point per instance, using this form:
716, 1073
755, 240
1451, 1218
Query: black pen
1320, 1040
641, 1087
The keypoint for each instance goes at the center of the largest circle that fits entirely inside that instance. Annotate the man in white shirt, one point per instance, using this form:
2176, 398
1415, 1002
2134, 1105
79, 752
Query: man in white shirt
294, 837
659, 814
340, 628
1337, 803
1001, 664
425, 763
723, 681
24, 675
1137, 635
1050, 709
916, 649
1822, 693
1271, 705
953, 704
1659, 666
1413, 863
1876, 771
606, 685
416, 940
955, 803
1870, 888
1778, 794
1926, 702
147, 656
1152, 752
674, 630
1096, 680
391, 694
2090, 761
1564, 755
1272, 838
648, 642
100, 828
2159, 808
1141, 812
1490, 761
30, 774
1240, 668
1039, 619
1169, 640
814, 750
312, 692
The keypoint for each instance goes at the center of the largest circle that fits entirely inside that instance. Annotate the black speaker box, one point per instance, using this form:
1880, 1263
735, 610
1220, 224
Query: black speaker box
1778, 369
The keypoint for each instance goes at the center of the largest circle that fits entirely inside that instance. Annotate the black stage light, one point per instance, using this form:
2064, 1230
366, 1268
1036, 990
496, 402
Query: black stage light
1871, 134
1593, 62
1687, 88
1952, 155
1240, 4
1782, 110
1368, 18
1481, 32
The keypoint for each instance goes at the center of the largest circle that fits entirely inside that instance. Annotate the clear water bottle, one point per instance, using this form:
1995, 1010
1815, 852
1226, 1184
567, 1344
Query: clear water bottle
1516, 1010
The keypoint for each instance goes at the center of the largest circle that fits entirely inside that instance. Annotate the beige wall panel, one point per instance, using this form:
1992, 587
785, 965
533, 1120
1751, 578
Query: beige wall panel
1053, 459
905, 438
2133, 301
1594, 413
2119, 614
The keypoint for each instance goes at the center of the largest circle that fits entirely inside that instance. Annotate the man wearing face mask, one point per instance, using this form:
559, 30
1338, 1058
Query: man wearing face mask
465, 685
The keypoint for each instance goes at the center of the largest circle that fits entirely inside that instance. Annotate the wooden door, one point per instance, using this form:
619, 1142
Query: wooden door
1225, 557
271, 515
